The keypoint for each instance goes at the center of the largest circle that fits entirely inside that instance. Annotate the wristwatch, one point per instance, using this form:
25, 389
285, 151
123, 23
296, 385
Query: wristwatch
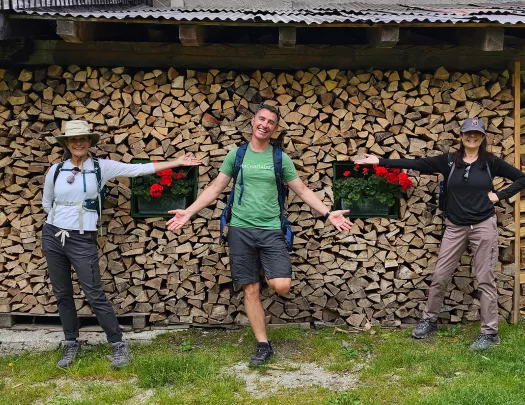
327, 214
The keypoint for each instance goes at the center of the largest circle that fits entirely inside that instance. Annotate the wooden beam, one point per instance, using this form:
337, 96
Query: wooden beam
383, 37
517, 211
75, 31
489, 39
287, 37
192, 35
5, 28
166, 54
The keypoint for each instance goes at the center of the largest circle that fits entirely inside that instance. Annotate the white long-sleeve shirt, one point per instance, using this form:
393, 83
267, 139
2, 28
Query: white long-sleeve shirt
67, 217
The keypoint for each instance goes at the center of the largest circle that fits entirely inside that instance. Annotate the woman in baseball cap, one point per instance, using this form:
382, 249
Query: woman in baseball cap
470, 220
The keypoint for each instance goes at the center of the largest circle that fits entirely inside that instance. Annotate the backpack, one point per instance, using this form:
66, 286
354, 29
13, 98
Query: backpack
282, 192
90, 204
443, 188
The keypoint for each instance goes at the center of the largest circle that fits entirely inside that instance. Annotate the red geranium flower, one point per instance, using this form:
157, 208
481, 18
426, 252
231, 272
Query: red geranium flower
365, 170
392, 178
356, 166
381, 171
156, 190
347, 173
167, 172
166, 180
179, 176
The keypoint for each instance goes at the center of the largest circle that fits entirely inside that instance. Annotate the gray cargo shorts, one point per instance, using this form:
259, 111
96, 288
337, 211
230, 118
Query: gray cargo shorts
252, 249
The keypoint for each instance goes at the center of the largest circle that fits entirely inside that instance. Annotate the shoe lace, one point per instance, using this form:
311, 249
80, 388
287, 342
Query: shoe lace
482, 338
261, 350
120, 351
70, 352
425, 323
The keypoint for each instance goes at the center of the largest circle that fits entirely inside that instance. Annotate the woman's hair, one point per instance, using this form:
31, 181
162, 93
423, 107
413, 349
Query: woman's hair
484, 156
67, 154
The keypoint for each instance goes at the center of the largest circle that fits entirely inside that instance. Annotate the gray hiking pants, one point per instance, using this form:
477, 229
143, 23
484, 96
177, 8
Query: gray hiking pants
483, 240
80, 251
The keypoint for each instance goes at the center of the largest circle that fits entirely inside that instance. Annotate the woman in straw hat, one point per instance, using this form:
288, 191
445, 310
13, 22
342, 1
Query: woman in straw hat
69, 234
470, 220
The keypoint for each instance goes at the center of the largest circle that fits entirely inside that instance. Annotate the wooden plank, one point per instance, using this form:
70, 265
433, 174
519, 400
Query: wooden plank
522, 277
75, 31
287, 37
192, 35
383, 37
517, 214
160, 54
489, 39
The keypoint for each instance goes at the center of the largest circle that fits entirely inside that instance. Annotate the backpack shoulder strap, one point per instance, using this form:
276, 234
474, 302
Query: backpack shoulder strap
237, 168
278, 167
96, 164
452, 166
57, 172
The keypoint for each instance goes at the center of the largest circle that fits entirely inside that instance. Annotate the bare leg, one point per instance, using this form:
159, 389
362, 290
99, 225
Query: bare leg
255, 311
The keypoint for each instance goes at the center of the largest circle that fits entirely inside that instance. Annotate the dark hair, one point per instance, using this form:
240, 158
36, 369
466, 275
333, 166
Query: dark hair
484, 156
270, 108
67, 155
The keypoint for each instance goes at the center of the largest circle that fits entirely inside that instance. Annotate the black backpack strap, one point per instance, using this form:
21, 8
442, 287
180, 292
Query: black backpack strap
57, 171
226, 212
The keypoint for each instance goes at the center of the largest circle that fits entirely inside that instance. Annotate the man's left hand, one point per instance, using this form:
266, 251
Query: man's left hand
338, 220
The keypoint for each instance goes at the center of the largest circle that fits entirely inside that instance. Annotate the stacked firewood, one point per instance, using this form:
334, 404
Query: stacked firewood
377, 273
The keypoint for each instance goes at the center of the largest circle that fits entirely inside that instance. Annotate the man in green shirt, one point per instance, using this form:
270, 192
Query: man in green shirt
254, 234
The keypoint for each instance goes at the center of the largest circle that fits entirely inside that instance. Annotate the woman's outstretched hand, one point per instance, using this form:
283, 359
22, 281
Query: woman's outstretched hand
187, 160
367, 160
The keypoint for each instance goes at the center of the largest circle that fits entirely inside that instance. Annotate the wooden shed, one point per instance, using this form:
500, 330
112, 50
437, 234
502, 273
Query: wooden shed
161, 77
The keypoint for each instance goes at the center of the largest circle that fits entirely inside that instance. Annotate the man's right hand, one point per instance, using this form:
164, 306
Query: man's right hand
367, 160
178, 221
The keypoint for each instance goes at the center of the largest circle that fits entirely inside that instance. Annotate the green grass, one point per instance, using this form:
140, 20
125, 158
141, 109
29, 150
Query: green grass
188, 368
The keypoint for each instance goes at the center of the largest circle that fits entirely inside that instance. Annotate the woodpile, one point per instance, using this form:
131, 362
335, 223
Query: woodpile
378, 273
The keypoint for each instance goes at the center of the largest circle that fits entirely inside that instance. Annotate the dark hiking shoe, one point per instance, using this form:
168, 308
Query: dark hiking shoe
263, 353
424, 329
121, 355
71, 350
485, 341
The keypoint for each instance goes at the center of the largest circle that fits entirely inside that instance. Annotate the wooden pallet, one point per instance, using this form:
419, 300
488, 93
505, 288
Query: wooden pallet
137, 321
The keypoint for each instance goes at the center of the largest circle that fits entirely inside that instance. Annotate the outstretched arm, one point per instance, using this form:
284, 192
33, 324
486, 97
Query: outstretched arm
209, 195
308, 196
433, 164
184, 160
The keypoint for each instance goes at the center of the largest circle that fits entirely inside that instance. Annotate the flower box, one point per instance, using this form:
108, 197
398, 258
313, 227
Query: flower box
145, 205
370, 207
364, 185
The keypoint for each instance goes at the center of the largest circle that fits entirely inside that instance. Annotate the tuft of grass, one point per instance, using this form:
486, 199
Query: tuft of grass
344, 398
449, 331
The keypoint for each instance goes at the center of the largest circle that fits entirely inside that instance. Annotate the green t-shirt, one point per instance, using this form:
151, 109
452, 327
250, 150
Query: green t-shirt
259, 207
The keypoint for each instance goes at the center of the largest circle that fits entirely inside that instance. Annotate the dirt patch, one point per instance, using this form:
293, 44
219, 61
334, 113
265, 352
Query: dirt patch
267, 381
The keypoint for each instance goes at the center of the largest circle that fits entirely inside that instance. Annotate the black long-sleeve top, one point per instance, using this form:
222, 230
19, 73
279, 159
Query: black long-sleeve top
467, 201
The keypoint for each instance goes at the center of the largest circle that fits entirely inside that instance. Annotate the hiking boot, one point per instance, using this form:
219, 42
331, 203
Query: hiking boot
485, 341
121, 355
72, 348
262, 354
424, 329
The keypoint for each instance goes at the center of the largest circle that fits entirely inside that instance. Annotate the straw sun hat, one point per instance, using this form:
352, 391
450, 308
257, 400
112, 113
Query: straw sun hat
77, 128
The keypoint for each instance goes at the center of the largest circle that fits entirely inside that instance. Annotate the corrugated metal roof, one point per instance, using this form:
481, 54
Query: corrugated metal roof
508, 13
30, 4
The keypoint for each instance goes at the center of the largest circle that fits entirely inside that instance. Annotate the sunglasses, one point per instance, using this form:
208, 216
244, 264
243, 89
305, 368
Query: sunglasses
466, 173
71, 178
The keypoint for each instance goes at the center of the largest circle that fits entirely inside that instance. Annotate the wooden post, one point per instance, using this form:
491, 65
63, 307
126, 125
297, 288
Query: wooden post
75, 31
487, 39
191, 35
517, 213
383, 37
287, 37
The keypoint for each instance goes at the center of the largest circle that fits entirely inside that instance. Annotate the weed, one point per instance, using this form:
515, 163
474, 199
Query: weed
344, 398
450, 331
185, 346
